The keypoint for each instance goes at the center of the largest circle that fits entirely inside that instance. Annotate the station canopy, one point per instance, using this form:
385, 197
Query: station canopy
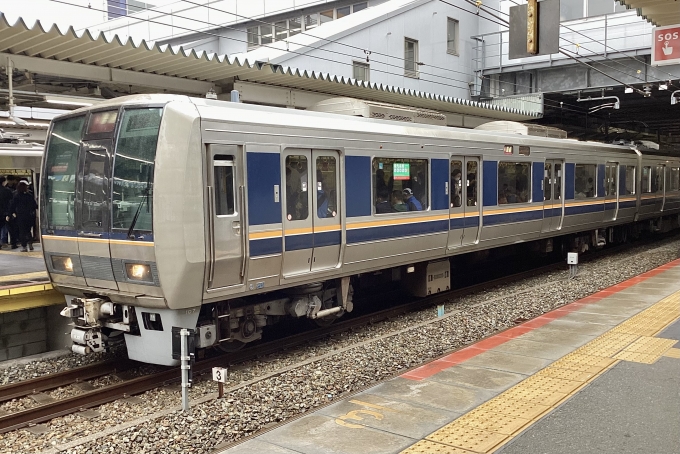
52, 58
658, 12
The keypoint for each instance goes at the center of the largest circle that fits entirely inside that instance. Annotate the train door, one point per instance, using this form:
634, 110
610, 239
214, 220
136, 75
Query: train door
660, 187
611, 193
553, 200
92, 222
327, 228
457, 208
298, 224
226, 221
471, 202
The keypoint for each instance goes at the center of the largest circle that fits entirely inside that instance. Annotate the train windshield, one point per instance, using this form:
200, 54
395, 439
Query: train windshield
132, 199
61, 165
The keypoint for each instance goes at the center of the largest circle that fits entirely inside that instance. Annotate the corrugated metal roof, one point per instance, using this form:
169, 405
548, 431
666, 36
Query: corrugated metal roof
98, 50
658, 12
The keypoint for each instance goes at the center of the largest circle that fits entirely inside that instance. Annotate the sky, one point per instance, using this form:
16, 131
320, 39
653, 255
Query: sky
90, 14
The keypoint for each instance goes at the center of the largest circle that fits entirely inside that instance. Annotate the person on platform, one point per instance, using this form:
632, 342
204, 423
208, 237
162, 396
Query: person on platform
22, 212
5, 200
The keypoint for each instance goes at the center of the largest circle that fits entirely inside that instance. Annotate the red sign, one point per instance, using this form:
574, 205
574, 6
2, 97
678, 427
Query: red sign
666, 45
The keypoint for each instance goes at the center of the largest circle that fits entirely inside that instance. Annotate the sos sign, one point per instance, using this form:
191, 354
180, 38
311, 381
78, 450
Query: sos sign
666, 45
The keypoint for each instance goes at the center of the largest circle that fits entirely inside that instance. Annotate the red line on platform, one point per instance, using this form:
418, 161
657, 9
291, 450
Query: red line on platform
460, 356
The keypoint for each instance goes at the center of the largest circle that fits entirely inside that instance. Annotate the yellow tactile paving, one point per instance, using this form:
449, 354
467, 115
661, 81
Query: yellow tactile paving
607, 344
493, 422
467, 437
672, 353
430, 447
502, 418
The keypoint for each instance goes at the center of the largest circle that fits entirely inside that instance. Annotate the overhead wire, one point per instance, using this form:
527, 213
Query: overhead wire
217, 35
141, 19
603, 44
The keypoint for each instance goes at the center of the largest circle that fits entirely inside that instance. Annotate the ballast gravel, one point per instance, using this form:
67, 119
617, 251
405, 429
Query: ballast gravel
284, 385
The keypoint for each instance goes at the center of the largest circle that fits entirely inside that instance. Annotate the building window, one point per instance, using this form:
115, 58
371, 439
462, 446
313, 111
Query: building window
280, 30
571, 9
359, 6
326, 16
253, 37
342, 12
452, 36
294, 26
410, 57
361, 71
311, 21
601, 7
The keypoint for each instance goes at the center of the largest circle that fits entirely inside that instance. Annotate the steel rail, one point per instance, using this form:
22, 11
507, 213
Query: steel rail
65, 378
145, 383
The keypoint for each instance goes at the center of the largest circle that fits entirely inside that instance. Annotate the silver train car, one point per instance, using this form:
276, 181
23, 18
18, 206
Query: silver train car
166, 212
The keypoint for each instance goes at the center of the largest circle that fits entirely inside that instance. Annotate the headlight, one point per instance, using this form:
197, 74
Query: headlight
138, 272
60, 263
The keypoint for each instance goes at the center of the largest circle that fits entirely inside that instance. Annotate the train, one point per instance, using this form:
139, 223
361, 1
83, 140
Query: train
164, 212
20, 158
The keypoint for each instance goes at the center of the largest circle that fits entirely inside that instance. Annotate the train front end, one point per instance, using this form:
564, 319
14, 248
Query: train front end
97, 201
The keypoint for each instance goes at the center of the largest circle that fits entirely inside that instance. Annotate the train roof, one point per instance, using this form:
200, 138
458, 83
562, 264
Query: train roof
277, 116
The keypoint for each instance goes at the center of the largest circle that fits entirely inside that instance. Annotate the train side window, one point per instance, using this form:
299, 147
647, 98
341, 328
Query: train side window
610, 180
585, 176
326, 187
223, 174
472, 183
403, 181
657, 179
456, 191
630, 180
646, 179
297, 202
675, 179
547, 179
558, 182
513, 182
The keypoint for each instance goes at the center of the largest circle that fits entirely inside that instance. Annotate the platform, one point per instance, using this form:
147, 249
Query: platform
598, 375
24, 283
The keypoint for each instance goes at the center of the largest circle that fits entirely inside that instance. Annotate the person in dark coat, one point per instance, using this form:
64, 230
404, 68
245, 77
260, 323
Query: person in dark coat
22, 211
5, 199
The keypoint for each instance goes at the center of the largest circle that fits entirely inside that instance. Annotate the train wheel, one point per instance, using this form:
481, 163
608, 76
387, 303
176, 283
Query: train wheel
231, 346
325, 321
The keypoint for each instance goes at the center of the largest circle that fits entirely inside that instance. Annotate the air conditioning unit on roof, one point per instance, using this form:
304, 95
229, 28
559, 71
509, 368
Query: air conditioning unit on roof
513, 127
382, 111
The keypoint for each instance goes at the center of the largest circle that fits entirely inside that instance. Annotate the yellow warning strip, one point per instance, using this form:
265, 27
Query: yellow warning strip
34, 254
25, 276
499, 420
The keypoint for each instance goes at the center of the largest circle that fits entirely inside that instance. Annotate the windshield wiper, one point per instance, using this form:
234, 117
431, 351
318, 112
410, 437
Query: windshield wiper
146, 192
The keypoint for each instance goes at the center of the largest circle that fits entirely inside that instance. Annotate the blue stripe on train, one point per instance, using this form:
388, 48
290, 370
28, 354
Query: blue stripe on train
265, 246
297, 242
462, 223
312, 240
628, 204
327, 238
392, 231
507, 218
584, 209
552, 212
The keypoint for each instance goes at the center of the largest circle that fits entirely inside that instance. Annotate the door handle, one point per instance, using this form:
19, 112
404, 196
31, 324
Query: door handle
236, 226
90, 235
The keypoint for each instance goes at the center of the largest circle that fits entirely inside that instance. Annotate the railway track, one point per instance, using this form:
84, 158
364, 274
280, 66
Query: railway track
138, 385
